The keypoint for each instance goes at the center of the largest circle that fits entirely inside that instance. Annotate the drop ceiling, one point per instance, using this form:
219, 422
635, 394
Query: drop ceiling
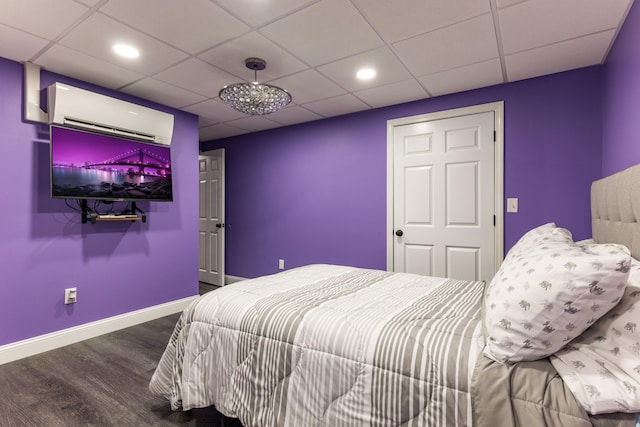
190, 49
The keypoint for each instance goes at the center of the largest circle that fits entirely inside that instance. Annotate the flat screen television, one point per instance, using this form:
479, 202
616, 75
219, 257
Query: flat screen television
85, 165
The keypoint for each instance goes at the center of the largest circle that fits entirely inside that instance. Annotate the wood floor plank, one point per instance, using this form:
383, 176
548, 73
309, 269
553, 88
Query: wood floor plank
102, 381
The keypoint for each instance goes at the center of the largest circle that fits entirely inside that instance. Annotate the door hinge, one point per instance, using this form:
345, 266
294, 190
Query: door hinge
494, 220
494, 136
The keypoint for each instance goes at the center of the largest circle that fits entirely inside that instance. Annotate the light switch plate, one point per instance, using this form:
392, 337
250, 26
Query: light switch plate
512, 205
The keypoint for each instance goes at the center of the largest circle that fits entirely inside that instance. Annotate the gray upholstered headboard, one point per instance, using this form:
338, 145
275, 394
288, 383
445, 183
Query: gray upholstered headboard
615, 209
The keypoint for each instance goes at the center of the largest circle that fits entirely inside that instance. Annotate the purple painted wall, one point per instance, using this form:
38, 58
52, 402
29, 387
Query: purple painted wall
316, 192
621, 100
117, 267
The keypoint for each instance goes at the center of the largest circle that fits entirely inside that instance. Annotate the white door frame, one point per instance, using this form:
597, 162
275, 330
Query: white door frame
498, 109
222, 196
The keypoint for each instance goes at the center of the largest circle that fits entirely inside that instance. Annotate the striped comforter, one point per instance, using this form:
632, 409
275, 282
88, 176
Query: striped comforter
328, 346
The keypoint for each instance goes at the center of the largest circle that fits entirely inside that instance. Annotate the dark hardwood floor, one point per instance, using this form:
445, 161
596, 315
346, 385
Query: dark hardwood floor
102, 381
206, 287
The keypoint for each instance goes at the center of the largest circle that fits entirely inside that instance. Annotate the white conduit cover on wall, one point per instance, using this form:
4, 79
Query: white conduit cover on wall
32, 110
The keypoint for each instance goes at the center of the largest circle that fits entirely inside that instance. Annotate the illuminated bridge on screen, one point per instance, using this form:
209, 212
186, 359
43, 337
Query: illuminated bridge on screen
138, 160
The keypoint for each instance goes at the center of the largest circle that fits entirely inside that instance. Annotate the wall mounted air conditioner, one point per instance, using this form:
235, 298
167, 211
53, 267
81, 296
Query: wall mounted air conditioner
78, 108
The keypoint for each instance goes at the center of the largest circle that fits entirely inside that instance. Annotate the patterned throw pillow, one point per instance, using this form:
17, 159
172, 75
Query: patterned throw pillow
548, 291
531, 239
602, 366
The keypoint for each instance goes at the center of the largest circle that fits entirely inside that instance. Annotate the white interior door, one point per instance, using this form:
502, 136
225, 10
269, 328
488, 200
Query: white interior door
211, 214
444, 198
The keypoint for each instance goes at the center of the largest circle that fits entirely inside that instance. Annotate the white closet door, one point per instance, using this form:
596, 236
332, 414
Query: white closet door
443, 197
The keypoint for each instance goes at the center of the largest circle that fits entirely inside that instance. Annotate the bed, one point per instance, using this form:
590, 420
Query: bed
548, 342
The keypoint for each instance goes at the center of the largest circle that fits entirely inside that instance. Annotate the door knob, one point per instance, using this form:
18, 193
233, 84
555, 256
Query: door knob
399, 233
219, 225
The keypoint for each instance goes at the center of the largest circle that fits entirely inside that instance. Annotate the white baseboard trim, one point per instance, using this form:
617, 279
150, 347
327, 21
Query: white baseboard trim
232, 279
53, 340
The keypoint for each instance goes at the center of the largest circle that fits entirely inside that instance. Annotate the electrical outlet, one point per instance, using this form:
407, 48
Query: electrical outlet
70, 295
281, 264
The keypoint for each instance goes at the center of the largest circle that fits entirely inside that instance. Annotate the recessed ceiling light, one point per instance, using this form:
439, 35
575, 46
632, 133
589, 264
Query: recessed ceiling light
126, 50
366, 73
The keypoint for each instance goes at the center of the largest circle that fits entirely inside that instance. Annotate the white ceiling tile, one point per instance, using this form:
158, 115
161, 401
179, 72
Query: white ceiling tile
576, 53
399, 20
197, 76
97, 34
482, 74
34, 16
323, 32
538, 23
451, 47
162, 93
214, 110
308, 86
293, 115
506, 3
84, 67
336, 106
231, 56
89, 3
209, 133
192, 28
203, 121
23, 45
254, 123
389, 69
395, 93
256, 13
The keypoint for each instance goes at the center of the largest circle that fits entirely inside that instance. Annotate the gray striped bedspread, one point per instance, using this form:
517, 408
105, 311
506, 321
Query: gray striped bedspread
328, 346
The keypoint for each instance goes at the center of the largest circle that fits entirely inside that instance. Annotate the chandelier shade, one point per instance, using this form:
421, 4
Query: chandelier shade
255, 98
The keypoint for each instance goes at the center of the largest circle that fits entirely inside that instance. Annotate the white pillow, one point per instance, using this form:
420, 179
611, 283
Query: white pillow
548, 291
602, 366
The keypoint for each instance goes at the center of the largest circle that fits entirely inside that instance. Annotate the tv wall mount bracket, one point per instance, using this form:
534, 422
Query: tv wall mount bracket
89, 214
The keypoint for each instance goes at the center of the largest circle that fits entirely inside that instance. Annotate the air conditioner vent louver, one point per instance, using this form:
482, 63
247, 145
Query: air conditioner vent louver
109, 130
78, 108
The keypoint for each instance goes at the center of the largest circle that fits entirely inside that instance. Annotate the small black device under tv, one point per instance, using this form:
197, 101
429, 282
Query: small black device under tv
93, 166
